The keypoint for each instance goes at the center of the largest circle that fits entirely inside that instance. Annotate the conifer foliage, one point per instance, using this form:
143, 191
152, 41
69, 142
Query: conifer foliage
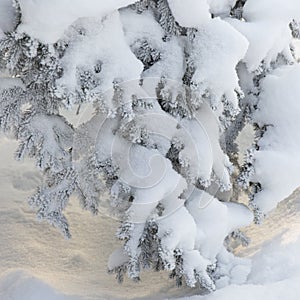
159, 91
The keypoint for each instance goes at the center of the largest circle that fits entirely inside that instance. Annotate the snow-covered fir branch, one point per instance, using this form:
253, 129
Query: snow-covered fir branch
162, 90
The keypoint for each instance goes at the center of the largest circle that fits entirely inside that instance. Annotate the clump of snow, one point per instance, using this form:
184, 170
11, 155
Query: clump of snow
160, 184
205, 222
202, 147
215, 220
47, 21
200, 135
266, 40
266, 26
218, 48
143, 27
101, 43
190, 13
277, 163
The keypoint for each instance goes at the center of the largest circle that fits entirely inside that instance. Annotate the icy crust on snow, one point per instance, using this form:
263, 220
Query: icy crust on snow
190, 13
217, 49
277, 163
266, 26
47, 21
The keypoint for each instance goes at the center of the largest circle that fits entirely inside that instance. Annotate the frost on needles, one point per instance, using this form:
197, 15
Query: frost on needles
158, 91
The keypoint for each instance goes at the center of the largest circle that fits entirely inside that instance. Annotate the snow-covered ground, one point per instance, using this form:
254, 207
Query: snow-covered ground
36, 262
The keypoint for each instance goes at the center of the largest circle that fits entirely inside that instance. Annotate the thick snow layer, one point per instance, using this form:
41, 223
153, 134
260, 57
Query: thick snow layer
201, 137
266, 26
190, 13
272, 10
218, 48
48, 21
277, 163
101, 44
156, 181
267, 38
143, 27
78, 266
215, 220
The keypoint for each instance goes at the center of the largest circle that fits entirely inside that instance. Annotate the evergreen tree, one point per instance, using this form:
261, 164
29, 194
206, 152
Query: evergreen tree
161, 91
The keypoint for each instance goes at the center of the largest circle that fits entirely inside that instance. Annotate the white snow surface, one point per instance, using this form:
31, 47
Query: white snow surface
218, 48
102, 44
194, 13
221, 7
190, 13
266, 26
215, 220
272, 9
144, 27
277, 163
47, 21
